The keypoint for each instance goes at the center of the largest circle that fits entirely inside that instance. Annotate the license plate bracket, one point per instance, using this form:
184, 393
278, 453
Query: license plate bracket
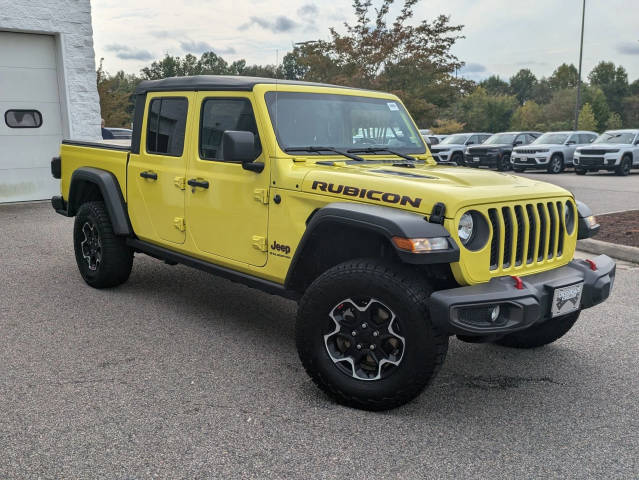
566, 299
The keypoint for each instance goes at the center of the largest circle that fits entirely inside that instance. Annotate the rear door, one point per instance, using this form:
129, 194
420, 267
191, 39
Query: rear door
228, 218
156, 176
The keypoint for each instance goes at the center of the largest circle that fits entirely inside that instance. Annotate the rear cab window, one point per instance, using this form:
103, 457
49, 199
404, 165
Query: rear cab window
166, 125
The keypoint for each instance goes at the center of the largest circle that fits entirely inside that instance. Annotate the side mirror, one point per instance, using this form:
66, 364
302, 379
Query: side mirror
571, 142
470, 143
518, 142
239, 146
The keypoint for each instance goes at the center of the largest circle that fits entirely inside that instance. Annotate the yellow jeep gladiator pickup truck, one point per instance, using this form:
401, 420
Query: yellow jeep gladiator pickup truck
329, 196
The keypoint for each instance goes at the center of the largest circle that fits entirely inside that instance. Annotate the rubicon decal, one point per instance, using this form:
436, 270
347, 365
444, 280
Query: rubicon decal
376, 195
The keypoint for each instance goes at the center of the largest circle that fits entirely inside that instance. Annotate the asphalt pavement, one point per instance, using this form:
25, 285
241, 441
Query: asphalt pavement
178, 374
604, 192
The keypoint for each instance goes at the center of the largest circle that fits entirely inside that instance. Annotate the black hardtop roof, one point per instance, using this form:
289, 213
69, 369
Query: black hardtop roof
216, 82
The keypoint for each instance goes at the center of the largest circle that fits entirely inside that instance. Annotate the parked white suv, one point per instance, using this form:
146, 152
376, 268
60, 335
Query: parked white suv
451, 148
615, 150
553, 151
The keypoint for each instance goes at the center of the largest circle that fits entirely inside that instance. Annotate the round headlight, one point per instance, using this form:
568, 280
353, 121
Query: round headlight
465, 228
569, 217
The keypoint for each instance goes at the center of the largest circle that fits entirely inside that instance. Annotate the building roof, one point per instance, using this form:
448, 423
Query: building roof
215, 82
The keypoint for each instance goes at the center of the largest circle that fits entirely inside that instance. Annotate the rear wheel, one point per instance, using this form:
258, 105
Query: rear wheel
624, 166
104, 260
580, 171
364, 335
556, 164
540, 335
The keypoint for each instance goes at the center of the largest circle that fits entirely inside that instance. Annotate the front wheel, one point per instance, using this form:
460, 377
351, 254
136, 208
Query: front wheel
104, 260
624, 167
556, 164
364, 335
503, 163
540, 335
458, 159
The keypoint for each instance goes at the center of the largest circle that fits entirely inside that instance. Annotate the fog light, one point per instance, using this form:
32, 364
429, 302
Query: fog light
494, 314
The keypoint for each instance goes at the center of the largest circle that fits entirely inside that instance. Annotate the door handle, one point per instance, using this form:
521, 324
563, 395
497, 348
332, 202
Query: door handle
150, 175
193, 182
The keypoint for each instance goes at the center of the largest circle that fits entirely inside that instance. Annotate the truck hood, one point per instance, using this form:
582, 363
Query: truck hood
419, 188
537, 146
494, 146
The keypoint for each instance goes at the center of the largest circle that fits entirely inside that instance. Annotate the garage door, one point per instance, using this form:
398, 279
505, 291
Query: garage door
30, 118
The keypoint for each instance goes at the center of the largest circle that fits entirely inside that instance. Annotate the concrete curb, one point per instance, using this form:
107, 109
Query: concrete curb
621, 252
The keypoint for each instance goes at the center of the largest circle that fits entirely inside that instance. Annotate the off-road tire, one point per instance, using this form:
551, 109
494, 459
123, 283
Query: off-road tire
580, 171
503, 164
540, 335
623, 169
116, 258
556, 164
458, 158
406, 294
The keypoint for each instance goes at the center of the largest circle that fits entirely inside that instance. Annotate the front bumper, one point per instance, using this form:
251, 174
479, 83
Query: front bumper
452, 310
597, 161
529, 160
482, 160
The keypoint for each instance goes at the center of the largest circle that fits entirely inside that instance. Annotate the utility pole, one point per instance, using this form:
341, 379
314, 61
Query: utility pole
581, 54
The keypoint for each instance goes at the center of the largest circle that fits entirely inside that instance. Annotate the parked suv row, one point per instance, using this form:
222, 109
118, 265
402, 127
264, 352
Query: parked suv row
552, 151
451, 148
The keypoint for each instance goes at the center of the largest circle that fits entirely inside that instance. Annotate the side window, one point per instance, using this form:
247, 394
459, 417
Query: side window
587, 138
221, 114
520, 140
165, 126
530, 138
23, 119
474, 140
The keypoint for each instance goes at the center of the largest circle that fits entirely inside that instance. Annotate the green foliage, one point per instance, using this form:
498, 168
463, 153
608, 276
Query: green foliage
564, 76
116, 97
494, 85
597, 100
613, 81
631, 111
587, 118
529, 116
614, 121
446, 127
523, 84
490, 113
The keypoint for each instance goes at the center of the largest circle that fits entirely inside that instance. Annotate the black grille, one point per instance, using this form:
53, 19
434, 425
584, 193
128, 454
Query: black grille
508, 236
477, 152
593, 152
562, 228
553, 226
591, 161
519, 251
532, 223
527, 152
494, 244
542, 231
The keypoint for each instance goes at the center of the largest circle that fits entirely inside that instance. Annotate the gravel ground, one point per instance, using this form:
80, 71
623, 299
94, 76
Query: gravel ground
178, 374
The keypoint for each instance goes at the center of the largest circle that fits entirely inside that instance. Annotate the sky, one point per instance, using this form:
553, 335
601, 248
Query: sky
501, 36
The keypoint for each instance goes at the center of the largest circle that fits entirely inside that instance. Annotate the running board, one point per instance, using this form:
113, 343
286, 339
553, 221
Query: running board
167, 255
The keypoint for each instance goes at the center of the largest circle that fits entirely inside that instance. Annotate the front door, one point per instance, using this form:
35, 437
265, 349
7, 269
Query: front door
156, 177
227, 211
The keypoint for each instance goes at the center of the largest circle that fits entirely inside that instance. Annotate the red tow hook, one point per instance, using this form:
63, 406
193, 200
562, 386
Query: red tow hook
519, 284
593, 265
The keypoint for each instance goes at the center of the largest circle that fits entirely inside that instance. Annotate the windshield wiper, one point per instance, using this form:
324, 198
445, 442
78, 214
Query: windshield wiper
314, 148
375, 149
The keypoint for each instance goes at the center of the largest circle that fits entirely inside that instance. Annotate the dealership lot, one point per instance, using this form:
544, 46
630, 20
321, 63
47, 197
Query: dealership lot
178, 374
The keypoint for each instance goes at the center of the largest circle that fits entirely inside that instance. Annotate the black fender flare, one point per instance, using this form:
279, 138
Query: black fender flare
584, 230
111, 193
386, 221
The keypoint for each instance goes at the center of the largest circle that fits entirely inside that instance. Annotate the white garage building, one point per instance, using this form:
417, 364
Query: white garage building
47, 91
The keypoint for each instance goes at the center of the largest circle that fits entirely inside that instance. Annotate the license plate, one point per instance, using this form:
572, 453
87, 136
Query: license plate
475, 159
566, 299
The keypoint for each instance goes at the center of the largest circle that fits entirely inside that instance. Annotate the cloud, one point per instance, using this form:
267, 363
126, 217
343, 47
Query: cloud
278, 25
124, 52
165, 33
307, 10
472, 68
628, 48
191, 46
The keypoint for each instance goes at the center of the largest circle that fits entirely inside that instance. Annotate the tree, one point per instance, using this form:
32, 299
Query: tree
522, 85
483, 112
529, 116
559, 113
564, 76
494, 85
613, 81
412, 61
116, 97
631, 111
614, 121
597, 100
542, 91
448, 127
587, 118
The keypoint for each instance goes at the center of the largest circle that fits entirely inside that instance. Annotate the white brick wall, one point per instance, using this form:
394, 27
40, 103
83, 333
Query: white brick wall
70, 21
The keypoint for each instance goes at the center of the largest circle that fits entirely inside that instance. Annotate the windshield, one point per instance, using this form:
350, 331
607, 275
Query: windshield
501, 138
455, 140
341, 121
551, 139
615, 137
